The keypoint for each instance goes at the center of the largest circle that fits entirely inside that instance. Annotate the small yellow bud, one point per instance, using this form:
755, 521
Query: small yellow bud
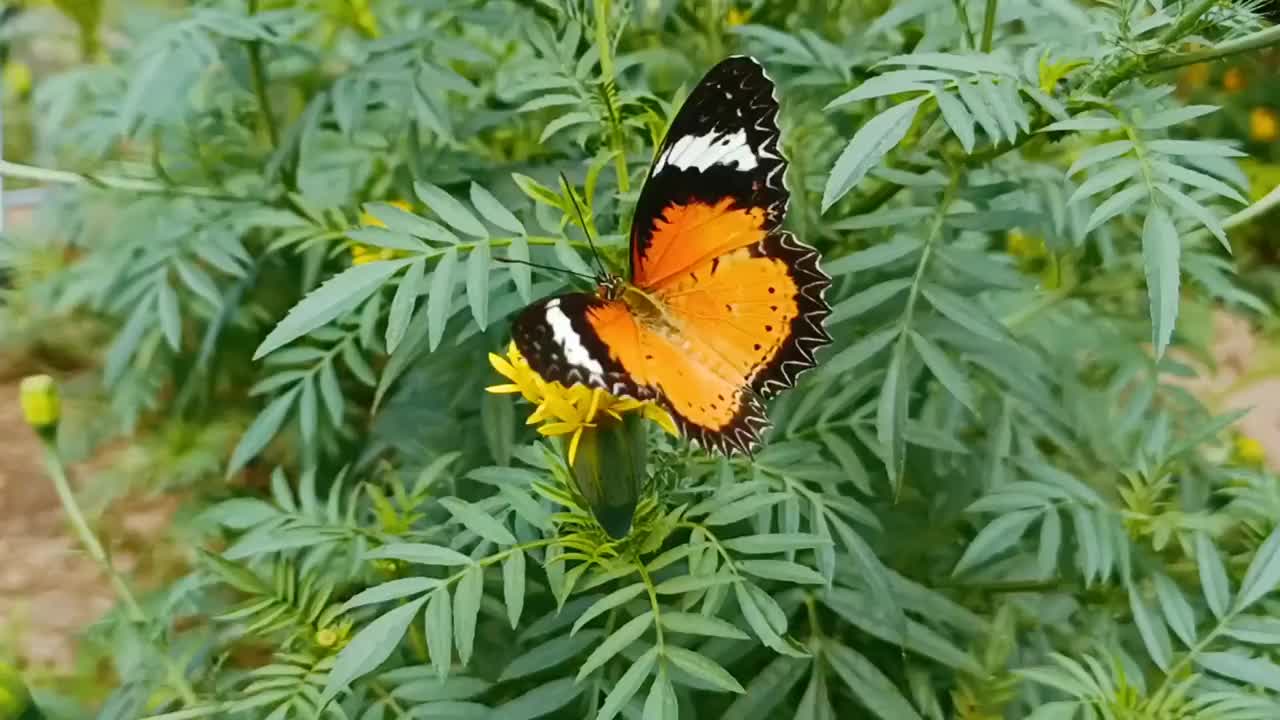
1264, 126
1233, 80
1195, 76
1248, 451
327, 637
39, 398
736, 17
17, 78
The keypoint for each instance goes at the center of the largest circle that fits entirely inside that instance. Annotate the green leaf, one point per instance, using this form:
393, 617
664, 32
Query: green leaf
877, 255
1175, 116
891, 418
704, 668
1263, 574
372, 645
1254, 629
1153, 633
1160, 251
478, 521
690, 583
1086, 123
743, 508
1213, 576
1118, 203
977, 105
616, 643
337, 295
891, 83
453, 212
695, 624
401, 222
540, 701
1197, 212
628, 685
550, 654
614, 599
419, 553
170, 316
1105, 180
403, 303
439, 631
1248, 670
466, 607
518, 250
478, 282
868, 684
1050, 543
999, 535
946, 371
861, 351
565, 121
440, 299
661, 703
1098, 154
782, 570
767, 689
867, 299
1197, 179
957, 118
869, 145
331, 393
494, 211
1177, 611
260, 431
1194, 148
892, 250
965, 313
390, 590
972, 63
513, 586
770, 543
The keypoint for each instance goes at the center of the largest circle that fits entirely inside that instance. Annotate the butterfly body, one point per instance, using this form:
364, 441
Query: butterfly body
722, 308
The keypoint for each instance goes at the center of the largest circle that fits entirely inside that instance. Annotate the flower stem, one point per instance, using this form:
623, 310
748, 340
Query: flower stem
989, 24
58, 474
610, 81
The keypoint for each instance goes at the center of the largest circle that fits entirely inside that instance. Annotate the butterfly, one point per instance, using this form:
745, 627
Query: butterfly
721, 309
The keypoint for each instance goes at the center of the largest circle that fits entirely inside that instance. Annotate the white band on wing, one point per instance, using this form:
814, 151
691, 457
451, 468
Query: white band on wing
703, 151
575, 353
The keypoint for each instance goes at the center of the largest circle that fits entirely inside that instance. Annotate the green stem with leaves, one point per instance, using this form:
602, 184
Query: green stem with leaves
58, 474
607, 77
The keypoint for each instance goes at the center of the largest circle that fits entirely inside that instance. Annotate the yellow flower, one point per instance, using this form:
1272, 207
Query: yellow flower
1248, 451
1195, 76
1233, 80
362, 253
736, 17
38, 396
1024, 246
1264, 126
572, 410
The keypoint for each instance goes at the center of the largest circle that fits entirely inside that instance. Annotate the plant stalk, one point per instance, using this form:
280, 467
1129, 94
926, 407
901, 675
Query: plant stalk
607, 77
989, 24
1253, 41
258, 74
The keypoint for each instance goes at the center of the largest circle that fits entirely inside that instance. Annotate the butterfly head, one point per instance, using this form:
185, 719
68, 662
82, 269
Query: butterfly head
612, 287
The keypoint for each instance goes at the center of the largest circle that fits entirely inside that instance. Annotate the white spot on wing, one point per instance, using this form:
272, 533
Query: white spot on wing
713, 148
574, 351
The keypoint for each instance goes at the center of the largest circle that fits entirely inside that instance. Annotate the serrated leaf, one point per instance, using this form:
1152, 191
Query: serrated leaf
958, 119
621, 638
869, 145
403, 302
999, 535
1263, 574
1161, 248
704, 668
439, 631
494, 211
1198, 179
743, 508
1105, 180
390, 590
946, 371
478, 521
614, 599
1098, 154
478, 283
1248, 670
540, 701
466, 607
260, 431
419, 553
782, 570
1084, 123
696, 624
1175, 116
1194, 148
864, 300
372, 645
892, 83
868, 684
440, 298
1177, 611
861, 351
450, 210
1114, 205
1154, 636
661, 704
337, 295
770, 543
565, 121
628, 685
549, 654
977, 106
1197, 212
513, 586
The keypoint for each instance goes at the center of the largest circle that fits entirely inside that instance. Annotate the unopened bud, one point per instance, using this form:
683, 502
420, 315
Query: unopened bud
40, 406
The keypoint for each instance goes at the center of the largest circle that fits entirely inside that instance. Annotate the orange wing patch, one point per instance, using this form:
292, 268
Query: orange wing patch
709, 398
686, 236
740, 305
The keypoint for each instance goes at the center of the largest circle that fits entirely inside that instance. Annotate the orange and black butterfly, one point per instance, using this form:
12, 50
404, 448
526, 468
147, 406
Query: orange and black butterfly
721, 309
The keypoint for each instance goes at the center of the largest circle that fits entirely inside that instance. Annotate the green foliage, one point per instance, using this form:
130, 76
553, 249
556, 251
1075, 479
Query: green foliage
987, 502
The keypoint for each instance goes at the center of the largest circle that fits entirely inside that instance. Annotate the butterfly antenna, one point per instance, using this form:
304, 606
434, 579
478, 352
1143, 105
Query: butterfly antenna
573, 197
540, 266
